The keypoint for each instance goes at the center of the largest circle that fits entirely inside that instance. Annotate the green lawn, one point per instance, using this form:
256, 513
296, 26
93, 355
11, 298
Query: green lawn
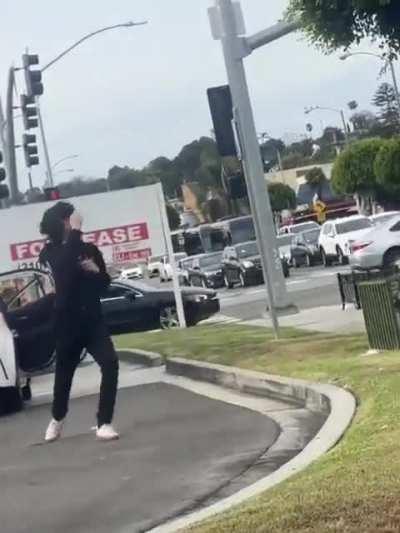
353, 489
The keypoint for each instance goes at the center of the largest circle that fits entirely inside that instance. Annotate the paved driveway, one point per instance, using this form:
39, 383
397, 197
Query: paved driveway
177, 448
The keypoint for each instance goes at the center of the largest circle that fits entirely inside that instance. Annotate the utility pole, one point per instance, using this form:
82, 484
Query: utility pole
49, 169
395, 84
11, 159
3, 140
227, 25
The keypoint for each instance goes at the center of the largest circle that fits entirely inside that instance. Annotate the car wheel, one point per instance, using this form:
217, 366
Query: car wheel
392, 258
10, 400
341, 257
228, 284
242, 280
26, 392
169, 318
325, 259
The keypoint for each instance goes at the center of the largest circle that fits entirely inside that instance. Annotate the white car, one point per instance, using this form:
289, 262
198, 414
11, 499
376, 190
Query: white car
154, 265
298, 228
285, 243
337, 236
382, 218
379, 248
135, 272
166, 268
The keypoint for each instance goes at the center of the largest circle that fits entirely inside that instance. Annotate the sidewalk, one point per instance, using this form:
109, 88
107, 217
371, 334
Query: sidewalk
328, 319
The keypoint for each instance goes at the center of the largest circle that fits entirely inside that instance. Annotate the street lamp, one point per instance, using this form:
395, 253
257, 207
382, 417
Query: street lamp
66, 158
310, 109
129, 24
64, 171
388, 61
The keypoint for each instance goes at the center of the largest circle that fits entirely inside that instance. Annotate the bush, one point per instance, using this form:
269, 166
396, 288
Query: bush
354, 169
387, 165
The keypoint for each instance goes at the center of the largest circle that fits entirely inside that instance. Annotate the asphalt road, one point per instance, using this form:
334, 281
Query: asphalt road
177, 448
308, 288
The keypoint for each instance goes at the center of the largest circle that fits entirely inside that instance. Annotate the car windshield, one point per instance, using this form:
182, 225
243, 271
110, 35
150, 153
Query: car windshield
382, 219
242, 230
311, 237
300, 228
179, 257
186, 263
353, 225
138, 285
210, 260
285, 240
247, 250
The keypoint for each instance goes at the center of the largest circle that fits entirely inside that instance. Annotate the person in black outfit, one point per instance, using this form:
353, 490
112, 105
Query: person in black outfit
80, 279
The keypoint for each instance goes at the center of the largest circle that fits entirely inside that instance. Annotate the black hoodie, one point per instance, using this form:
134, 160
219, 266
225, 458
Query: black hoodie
77, 292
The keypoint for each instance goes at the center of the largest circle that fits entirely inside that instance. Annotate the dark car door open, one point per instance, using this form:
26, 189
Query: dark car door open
35, 338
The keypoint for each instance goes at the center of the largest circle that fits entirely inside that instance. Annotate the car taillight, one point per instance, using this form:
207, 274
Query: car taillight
358, 246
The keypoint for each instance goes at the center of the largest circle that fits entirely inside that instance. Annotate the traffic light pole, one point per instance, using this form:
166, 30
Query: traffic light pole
49, 170
11, 159
228, 26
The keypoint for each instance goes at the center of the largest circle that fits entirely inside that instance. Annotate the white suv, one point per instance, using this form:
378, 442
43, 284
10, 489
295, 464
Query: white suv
154, 265
337, 235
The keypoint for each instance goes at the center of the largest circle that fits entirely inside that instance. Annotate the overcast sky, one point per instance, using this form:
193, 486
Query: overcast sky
127, 96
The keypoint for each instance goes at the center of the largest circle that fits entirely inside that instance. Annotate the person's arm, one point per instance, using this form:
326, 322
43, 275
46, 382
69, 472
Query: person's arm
72, 247
99, 275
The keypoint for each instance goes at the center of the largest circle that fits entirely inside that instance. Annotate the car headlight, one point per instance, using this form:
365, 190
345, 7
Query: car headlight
248, 264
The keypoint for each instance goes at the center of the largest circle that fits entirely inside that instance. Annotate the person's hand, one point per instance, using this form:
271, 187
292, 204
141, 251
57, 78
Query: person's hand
90, 266
76, 220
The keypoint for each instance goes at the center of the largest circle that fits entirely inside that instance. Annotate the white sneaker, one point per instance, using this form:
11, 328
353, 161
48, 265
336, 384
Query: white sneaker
106, 432
54, 430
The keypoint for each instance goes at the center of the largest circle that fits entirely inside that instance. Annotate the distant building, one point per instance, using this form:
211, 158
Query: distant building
295, 178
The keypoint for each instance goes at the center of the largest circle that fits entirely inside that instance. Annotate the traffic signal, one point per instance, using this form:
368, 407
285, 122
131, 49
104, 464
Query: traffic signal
33, 78
29, 112
4, 192
52, 193
220, 101
30, 149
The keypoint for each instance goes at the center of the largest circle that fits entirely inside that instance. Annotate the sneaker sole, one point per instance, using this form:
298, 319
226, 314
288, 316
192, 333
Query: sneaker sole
106, 439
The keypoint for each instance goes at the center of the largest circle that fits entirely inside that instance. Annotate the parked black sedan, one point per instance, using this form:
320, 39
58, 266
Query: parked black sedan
134, 306
305, 249
241, 265
206, 271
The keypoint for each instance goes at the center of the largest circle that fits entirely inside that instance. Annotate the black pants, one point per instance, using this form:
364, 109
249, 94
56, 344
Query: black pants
95, 338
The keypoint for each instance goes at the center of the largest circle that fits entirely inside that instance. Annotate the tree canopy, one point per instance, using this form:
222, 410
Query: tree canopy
282, 197
333, 24
315, 177
353, 171
174, 220
387, 166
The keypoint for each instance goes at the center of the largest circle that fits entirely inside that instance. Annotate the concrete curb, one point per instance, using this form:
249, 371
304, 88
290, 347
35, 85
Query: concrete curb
339, 403
141, 357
